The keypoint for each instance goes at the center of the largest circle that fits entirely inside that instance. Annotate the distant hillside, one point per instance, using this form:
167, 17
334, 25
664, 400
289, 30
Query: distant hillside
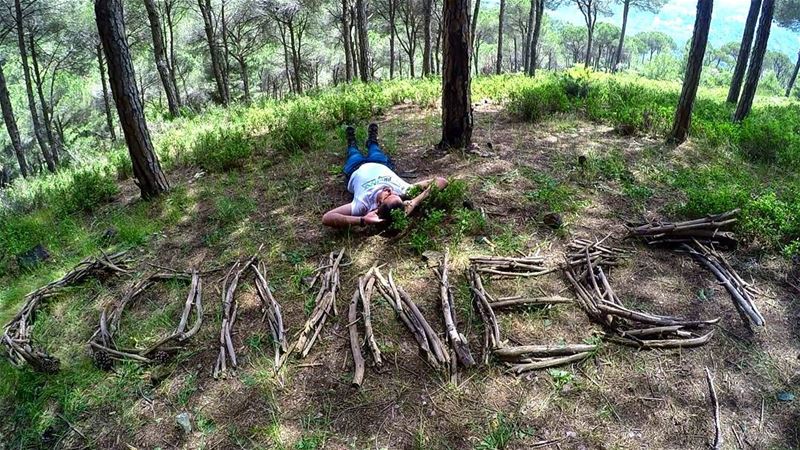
677, 20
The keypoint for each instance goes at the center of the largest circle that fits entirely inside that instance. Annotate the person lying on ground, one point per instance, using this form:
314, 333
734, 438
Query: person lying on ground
377, 190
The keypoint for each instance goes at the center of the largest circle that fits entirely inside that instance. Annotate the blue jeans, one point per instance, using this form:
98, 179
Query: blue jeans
355, 159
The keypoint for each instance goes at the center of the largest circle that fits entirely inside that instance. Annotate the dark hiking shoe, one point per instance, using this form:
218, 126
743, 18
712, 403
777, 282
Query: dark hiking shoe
372, 133
350, 134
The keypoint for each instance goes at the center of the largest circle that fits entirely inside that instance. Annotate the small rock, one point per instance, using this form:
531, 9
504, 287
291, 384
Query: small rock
184, 420
784, 396
33, 257
109, 235
489, 144
550, 140
572, 434
582, 161
433, 258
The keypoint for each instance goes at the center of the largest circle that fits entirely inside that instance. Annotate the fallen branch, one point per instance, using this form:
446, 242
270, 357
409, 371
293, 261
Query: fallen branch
542, 350
715, 406
458, 342
324, 304
272, 313
230, 308
17, 339
355, 342
365, 291
538, 364
705, 230
740, 292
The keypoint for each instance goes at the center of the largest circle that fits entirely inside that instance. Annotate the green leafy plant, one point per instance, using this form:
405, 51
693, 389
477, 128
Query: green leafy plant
221, 150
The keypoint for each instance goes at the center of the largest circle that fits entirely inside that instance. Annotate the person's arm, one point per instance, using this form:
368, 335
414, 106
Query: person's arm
341, 217
427, 185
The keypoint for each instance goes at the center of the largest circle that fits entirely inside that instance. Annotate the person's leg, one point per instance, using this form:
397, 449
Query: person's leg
354, 156
374, 152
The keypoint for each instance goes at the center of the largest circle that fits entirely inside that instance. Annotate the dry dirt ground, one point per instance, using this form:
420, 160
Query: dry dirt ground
620, 398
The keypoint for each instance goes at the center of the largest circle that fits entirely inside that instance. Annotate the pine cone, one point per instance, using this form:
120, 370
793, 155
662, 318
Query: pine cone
161, 357
102, 360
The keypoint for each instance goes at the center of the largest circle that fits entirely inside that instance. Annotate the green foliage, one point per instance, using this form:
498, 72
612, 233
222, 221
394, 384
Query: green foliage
536, 102
87, 190
400, 221
551, 195
560, 378
502, 431
772, 135
232, 210
221, 150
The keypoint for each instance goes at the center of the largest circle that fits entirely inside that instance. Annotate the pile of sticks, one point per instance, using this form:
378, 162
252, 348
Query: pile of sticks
599, 254
742, 292
363, 295
17, 339
520, 358
102, 344
407, 311
271, 313
230, 307
503, 266
626, 326
459, 345
705, 230
324, 304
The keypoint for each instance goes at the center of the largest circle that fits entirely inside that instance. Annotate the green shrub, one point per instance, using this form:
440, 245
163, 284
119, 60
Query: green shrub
299, 128
535, 103
222, 150
770, 135
86, 190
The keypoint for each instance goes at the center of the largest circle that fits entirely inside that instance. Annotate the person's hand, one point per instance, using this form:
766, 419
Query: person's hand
372, 218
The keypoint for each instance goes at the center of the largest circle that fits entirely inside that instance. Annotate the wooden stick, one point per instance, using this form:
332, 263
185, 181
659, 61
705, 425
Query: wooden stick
543, 350
457, 341
355, 342
715, 406
664, 343
368, 333
548, 362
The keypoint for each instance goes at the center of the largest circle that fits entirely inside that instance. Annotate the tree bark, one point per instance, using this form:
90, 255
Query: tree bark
245, 79
426, 37
526, 45
213, 48
694, 66
618, 54
106, 103
363, 38
296, 66
744, 51
498, 69
11, 124
160, 56
474, 26
172, 60
537, 30
794, 76
456, 103
37, 125
52, 138
146, 168
348, 62
392, 36
756, 61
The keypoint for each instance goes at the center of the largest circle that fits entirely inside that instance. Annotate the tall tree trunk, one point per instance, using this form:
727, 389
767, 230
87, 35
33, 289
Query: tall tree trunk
756, 61
456, 103
245, 79
11, 124
474, 57
498, 69
744, 51
526, 45
52, 138
392, 36
106, 103
533, 58
426, 37
213, 48
474, 26
794, 76
618, 54
363, 41
172, 61
683, 115
354, 52
438, 51
37, 126
348, 63
226, 66
296, 63
160, 56
146, 168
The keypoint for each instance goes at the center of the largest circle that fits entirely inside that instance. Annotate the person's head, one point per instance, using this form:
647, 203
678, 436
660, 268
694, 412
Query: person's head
388, 201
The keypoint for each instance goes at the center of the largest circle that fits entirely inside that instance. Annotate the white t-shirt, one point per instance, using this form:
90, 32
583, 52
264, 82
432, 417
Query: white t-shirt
367, 181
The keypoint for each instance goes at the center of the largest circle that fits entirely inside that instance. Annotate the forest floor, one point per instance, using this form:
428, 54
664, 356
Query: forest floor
619, 398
